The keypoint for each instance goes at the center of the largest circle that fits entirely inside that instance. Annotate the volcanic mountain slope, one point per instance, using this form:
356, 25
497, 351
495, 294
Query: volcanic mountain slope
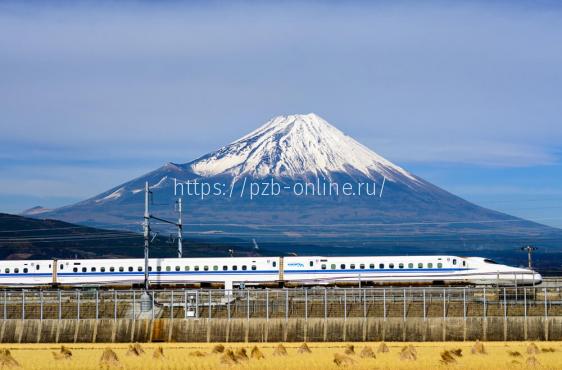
305, 149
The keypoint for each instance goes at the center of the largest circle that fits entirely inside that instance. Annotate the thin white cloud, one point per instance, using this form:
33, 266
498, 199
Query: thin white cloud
488, 154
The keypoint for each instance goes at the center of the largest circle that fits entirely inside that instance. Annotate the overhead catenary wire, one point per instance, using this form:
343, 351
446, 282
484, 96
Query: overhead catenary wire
398, 235
321, 241
69, 240
258, 232
45, 229
339, 225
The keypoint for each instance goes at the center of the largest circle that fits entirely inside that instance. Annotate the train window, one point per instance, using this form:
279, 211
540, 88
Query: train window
490, 261
158, 268
102, 269
49, 265
112, 269
372, 266
391, 265
410, 265
362, 266
463, 263
225, 268
61, 266
439, 265
352, 266
274, 263
234, 268
254, 267
311, 263
186, 268
323, 266
381, 266
333, 266
16, 270
75, 269
196, 268
430, 265
139, 268
37, 267
215, 268
342, 266
244, 267
401, 265
168, 268
25, 270
7, 271
454, 261
420, 265
177, 268
93, 269
84, 269
149, 268
131, 269
121, 269
206, 268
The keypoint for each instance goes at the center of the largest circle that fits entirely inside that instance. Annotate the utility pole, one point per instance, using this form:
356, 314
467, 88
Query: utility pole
146, 228
178, 224
180, 230
529, 249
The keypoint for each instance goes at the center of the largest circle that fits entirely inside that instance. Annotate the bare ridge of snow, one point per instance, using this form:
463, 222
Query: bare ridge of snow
115, 195
35, 211
296, 146
159, 184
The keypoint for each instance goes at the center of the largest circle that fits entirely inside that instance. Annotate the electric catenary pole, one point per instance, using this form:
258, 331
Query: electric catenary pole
529, 249
180, 230
146, 227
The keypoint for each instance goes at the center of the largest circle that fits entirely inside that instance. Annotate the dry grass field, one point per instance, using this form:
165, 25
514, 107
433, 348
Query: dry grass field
313, 356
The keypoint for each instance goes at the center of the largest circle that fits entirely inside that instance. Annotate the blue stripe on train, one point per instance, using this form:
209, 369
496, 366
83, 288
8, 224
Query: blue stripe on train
376, 270
28, 274
168, 273
129, 273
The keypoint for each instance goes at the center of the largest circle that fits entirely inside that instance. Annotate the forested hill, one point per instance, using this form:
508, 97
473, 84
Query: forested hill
29, 238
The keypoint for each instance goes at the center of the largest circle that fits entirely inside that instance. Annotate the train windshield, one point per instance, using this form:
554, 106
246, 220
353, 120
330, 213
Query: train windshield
490, 261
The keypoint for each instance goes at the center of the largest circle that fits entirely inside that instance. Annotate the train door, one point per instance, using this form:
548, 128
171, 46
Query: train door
281, 269
54, 272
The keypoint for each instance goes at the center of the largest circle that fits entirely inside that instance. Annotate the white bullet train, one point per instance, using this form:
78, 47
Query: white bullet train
265, 271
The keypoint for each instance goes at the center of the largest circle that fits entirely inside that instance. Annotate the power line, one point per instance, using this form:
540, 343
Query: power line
70, 240
421, 223
325, 240
45, 228
452, 222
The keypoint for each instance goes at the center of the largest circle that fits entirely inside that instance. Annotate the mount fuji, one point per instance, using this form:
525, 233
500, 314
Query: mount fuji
405, 212
297, 147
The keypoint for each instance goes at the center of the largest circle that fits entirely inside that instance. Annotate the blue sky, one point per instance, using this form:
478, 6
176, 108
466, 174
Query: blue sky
464, 94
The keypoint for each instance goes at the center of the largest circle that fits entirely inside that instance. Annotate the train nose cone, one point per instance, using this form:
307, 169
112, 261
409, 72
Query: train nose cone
537, 278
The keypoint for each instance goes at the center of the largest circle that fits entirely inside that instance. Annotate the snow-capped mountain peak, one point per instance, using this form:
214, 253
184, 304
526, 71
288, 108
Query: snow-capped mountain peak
297, 146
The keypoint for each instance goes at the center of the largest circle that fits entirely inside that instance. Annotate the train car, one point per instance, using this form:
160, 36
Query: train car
26, 272
258, 271
406, 270
168, 271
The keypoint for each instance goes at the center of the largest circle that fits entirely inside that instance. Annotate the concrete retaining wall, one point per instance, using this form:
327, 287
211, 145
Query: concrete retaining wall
277, 330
